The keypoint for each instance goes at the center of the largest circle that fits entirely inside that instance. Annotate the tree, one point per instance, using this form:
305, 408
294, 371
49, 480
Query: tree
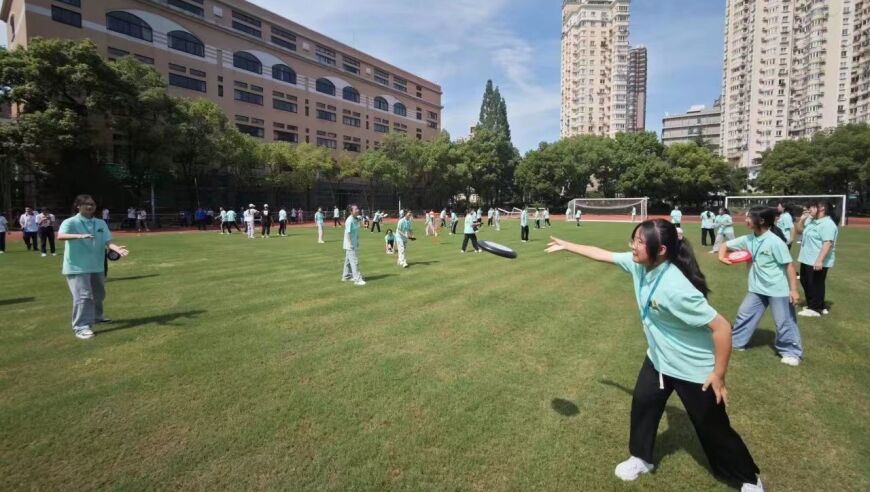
789, 168
311, 164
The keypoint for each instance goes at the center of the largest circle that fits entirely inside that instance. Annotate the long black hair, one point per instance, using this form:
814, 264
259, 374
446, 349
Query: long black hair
762, 216
660, 232
830, 210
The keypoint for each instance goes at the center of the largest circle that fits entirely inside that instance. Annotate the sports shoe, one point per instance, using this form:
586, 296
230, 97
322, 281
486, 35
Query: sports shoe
84, 334
632, 468
55, 254
477, 251
44, 255
752, 487
462, 251
344, 279
360, 282
809, 313
739, 349
790, 361
404, 265
825, 311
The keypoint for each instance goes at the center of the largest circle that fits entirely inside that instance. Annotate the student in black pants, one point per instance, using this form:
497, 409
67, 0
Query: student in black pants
265, 222
46, 231
470, 231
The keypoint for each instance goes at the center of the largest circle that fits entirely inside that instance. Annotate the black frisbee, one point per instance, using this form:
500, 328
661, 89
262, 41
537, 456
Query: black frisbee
113, 255
497, 249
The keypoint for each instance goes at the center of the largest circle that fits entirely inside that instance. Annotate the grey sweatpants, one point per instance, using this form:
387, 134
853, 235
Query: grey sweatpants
88, 291
351, 266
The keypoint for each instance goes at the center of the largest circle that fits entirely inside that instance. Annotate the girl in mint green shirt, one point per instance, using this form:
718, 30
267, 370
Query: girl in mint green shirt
389, 241
817, 255
689, 347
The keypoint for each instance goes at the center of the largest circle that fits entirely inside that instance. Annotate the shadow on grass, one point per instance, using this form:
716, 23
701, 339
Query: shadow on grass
168, 319
680, 435
564, 407
415, 263
136, 277
378, 277
17, 300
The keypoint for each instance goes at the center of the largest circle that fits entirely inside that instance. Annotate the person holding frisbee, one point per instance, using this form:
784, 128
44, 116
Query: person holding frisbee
318, 222
86, 239
676, 216
524, 225
404, 233
772, 283
470, 231
351, 245
390, 242
817, 254
689, 347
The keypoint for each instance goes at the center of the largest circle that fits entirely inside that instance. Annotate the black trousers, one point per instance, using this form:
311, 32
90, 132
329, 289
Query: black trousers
2, 241
336, 222
537, 223
282, 227
31, 241
489, 221
813, 283
453, 227
376, 224
728, 456
443, 223
704, 233
524, 233
473, 238
265, 228
547, 221
46, 235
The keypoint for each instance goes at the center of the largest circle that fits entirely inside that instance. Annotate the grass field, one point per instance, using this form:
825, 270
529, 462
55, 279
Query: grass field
246, 364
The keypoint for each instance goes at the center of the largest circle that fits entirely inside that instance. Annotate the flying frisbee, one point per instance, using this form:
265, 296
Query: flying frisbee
113, 255
497, 249
739, 256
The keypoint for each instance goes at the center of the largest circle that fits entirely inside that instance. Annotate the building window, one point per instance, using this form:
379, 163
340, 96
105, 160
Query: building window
284, 106
286, 136
253, 131
187, 82
400, 84
326, 142
238, 26
289, 36
284, 43
325, 55
247, 18
381, 128
186, 42
198, 73
351, 147
382, 77
399, 109
381, 103
247, 61
144, 59
115, 52
181, 4
129, 24
325, 86
350, 121
65, 16
248, 97
350, 94
178, 68
284, 74
326, 115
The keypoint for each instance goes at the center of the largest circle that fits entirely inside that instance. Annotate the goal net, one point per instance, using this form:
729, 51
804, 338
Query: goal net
608, 209
739, 205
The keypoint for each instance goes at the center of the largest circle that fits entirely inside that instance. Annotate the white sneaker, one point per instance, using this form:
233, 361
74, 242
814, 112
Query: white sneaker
55, 254
404, 265
809, 313
360, 282
739, 349
790, 361
632, 468
2, 252
44, 255
84, 334
752, 487
825, 311
462, 251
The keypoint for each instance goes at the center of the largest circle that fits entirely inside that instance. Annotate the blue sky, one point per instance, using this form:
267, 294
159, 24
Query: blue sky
462, 43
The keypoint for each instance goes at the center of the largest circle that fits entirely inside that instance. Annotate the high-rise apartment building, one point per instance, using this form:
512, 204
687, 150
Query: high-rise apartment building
594, 67
276, 79
859, 100
789, 72
635, 111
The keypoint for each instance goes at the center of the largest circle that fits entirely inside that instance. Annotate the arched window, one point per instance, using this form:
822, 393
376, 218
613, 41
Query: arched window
382, 104
186, 42
247, 61
283, 73
129, 24
325, 86
400, 109
350, 94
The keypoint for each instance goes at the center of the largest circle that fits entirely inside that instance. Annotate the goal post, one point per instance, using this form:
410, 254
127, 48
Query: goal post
741, 204
609, 209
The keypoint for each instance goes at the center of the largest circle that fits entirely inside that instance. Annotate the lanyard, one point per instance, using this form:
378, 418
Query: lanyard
760, 243
646, 306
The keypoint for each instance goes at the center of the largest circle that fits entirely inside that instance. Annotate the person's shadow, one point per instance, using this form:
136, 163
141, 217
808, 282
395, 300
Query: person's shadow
169, 319
680, 435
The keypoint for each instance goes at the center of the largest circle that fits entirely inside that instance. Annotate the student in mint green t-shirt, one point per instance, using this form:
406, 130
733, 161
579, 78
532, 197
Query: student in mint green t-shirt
389, 241
724, 228
817, 255
689, 347
85, 241
772, 282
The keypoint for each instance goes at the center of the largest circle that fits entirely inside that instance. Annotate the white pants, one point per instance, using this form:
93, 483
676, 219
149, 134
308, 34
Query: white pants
250, 226
351, 266
319, 232
401, 245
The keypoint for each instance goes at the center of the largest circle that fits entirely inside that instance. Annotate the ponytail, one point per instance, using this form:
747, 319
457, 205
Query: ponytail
659, 232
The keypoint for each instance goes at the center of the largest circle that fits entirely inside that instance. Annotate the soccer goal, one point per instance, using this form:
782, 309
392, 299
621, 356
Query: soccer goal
739, 205
609, 209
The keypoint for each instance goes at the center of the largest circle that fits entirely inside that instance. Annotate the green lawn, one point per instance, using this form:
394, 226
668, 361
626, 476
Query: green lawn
238, 363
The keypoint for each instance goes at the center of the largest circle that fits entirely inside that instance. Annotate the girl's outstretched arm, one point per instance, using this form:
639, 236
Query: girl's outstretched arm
593, 252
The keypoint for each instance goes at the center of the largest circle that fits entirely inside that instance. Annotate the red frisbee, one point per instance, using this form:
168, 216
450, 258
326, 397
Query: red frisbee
739, 256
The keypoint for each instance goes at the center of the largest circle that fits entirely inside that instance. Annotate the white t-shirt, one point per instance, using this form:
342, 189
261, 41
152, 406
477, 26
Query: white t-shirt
143, 215
44, 220
105, 214
4, 224
131, 213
